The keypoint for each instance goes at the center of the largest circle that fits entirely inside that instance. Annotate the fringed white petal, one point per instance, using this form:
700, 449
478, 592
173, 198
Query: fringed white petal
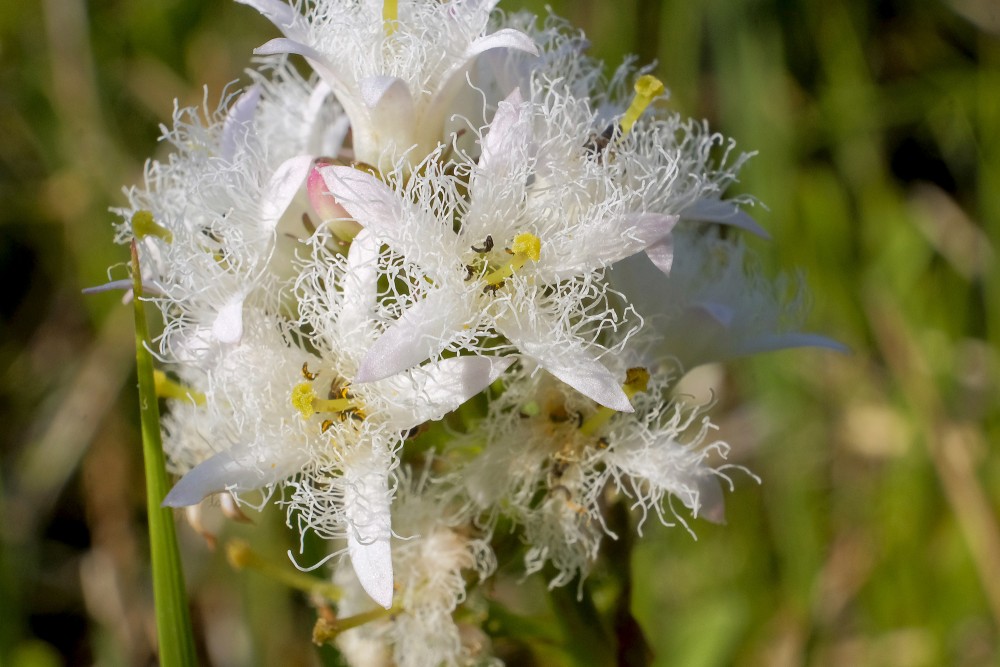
285, 183
360, 287
422, 331
366, 507
228, 470
431, 391
237, 125
568, 362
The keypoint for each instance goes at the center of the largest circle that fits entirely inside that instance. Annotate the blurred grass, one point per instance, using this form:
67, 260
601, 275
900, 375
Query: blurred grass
873, 538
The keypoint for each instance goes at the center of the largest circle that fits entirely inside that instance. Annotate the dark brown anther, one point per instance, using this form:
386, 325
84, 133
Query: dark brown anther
487, 246
326, 426
306, 374
492, 289
598, 143
470, 272
602, 443
308, 224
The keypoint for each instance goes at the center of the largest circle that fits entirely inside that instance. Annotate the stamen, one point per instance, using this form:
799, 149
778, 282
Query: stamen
143, 225
167, 388
487, 246
306, 373
525, 246
647, 88
305, 400
636, 381
390, 16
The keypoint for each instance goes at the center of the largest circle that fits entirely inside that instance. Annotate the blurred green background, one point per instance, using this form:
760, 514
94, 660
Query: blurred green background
873, 539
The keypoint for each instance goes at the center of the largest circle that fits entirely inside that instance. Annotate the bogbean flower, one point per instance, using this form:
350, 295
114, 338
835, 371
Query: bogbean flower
541, 220
546, 458
219, 218
432, 563
453, 205
343, 436
399, 69
716, 304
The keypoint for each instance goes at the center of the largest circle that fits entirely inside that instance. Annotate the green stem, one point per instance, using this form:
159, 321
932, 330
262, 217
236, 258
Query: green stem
173, 624
242, 556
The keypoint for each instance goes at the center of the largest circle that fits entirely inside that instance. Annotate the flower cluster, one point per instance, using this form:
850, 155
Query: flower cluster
447, 279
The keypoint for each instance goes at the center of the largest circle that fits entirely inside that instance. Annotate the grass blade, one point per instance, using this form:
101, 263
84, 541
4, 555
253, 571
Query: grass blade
173, 623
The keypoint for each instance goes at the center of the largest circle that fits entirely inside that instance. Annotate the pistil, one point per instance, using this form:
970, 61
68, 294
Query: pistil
390, 16
647, 88
305, 400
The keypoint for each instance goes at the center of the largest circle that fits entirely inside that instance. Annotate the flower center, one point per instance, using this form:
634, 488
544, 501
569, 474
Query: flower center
305, 400
525, 246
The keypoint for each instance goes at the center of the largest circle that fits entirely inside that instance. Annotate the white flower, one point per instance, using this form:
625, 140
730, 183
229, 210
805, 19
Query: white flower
715, 305
547, 456
541, 222
431, 566
399, 78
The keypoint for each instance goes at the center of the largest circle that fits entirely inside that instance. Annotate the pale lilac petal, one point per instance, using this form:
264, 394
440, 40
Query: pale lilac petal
454, 81
238, 122
662, 254
429, 392
277, 12
229, 470
719, 312
568, 362
426, 328
723, 213
507, 38
366, 507
782, 341
320, 64
285, 183
228, 324
281, 45
711, 502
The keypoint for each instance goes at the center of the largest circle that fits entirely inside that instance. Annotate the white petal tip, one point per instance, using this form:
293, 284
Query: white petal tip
373, 566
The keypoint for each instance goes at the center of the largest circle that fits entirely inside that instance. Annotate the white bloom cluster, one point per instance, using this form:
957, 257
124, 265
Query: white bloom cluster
453, 205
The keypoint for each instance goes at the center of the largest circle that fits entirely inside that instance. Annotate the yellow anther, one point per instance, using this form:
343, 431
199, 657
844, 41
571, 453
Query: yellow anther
144, 225
647, 88
636, 381
167, 388
390, 16
527, 244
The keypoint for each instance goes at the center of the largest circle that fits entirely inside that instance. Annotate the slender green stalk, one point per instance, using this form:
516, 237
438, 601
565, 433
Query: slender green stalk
173, 624
241, 556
